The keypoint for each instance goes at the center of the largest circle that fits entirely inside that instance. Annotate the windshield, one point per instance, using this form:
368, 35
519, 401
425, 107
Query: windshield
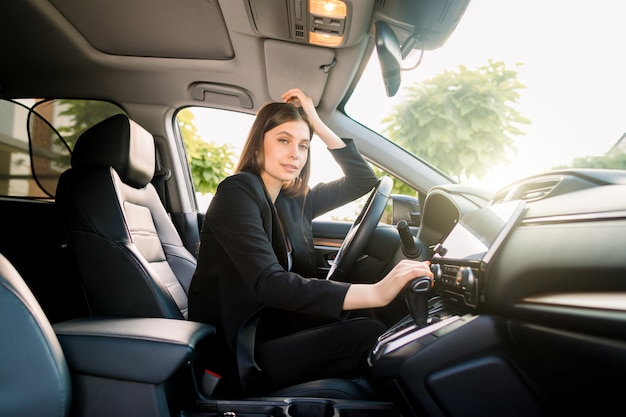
519, 88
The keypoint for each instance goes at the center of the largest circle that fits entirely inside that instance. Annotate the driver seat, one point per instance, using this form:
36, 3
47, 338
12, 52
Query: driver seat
131, 259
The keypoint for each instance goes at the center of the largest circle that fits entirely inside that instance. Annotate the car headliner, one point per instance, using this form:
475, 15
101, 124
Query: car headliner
104, 52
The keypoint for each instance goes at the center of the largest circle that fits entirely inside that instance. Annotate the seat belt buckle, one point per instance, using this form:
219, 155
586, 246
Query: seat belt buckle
209, 382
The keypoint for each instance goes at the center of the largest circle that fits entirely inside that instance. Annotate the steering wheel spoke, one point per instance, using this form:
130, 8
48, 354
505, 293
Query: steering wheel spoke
360, 232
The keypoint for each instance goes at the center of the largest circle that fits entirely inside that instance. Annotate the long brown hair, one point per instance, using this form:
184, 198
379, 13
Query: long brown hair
252, 158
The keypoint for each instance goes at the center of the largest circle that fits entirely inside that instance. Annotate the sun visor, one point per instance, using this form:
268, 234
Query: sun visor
292, 65
193, 29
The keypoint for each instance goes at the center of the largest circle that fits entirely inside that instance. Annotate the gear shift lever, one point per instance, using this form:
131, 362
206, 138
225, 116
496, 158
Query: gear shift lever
416, 297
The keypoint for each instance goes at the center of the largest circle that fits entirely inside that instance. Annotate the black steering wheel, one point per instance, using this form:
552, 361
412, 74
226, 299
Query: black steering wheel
361, 230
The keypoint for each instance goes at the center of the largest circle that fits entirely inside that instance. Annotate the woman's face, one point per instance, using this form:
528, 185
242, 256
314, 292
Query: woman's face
285, 149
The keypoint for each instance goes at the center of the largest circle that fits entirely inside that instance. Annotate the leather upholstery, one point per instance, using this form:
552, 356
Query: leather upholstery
142, 350
118, 366
34, 377
131, 258
336, 388
129, 150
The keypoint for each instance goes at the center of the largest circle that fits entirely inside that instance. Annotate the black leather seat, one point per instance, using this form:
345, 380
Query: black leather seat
118, 366
130, 256
34, 376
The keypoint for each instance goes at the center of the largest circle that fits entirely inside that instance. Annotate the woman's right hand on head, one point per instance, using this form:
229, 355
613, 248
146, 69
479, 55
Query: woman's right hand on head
298, 98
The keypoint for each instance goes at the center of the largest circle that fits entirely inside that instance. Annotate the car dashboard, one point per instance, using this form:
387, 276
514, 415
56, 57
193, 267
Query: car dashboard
550, 240
530, 279
460, 261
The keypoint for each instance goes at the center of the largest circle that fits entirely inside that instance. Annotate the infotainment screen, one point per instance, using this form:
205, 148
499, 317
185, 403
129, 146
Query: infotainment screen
479, 233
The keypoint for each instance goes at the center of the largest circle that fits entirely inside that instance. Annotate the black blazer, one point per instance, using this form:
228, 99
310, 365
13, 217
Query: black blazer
242, 261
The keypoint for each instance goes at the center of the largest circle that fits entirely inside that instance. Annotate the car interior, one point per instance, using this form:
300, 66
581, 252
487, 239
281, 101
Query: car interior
101, 222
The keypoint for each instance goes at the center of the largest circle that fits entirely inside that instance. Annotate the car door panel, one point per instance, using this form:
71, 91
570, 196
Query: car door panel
327, 238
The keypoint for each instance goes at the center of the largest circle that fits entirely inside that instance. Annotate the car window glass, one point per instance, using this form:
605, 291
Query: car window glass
36, 138
502, 99
210, 133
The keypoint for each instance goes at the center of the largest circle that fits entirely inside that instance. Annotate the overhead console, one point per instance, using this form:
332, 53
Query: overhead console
329, 23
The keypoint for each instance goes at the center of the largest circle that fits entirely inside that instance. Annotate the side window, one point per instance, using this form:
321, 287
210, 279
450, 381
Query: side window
214, 140
36, 138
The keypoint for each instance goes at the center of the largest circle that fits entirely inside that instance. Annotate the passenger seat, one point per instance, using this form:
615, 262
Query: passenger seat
131, 259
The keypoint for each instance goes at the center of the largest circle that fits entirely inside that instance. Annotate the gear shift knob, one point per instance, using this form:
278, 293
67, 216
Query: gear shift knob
416, 297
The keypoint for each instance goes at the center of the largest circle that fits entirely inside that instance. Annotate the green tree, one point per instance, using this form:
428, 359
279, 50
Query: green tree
210, 163
399, 187
462, 121
612, 160
81, 115
67, 120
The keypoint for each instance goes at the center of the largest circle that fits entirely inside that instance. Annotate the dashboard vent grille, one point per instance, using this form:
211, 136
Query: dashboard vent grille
530, 191
537, 191
299, 32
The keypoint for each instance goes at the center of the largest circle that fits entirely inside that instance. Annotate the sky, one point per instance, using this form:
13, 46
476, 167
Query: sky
572, 66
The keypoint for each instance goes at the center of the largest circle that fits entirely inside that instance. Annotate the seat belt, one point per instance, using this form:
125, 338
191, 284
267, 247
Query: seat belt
161, 175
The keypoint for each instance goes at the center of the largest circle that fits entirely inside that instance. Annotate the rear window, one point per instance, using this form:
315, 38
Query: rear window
37, 138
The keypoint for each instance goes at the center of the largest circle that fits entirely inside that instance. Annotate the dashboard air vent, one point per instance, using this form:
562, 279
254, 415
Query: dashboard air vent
537, 190
529, 191
299, 31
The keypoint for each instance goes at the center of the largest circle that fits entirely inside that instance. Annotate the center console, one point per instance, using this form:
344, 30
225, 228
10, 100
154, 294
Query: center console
460, 262
449, 358
131, 366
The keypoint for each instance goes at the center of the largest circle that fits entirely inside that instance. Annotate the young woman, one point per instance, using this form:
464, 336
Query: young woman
277, 325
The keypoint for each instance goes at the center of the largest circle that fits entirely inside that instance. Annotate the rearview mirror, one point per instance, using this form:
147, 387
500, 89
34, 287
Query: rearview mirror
389, 56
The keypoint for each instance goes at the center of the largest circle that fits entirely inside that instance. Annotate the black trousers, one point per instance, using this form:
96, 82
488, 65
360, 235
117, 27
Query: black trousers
291, 349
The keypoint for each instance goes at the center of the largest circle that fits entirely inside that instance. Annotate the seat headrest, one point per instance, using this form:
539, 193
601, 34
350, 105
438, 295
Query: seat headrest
120, 143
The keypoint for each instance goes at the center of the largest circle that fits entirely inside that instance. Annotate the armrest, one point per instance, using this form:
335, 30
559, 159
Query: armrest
147, 350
